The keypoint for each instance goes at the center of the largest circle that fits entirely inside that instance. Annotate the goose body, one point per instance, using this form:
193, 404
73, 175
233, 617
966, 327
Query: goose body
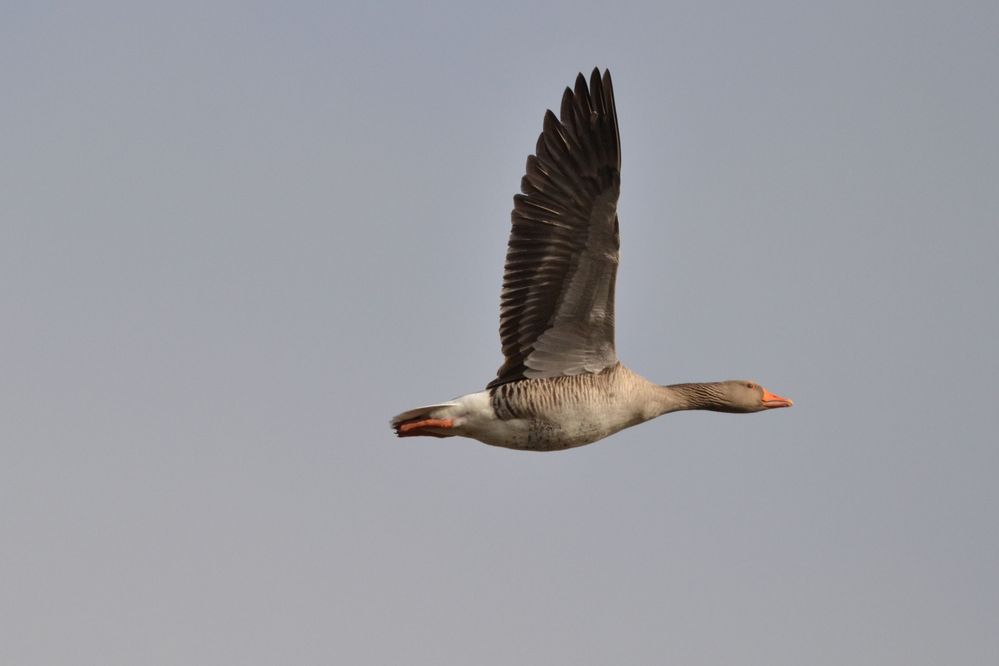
546, 414
561, 384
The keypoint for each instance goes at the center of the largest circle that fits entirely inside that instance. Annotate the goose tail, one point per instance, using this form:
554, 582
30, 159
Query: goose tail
429, 421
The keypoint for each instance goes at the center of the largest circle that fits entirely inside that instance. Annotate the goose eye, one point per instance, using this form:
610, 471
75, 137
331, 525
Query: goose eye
750, 385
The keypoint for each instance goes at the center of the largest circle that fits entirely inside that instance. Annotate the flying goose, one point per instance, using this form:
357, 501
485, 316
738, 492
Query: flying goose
561, 384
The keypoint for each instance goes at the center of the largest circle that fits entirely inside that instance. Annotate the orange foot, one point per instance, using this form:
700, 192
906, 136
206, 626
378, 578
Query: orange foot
412, 428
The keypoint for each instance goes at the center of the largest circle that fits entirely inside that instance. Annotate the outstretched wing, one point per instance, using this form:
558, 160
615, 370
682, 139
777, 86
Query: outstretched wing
557, 304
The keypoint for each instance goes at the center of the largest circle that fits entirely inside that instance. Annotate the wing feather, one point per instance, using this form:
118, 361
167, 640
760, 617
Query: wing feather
557, 303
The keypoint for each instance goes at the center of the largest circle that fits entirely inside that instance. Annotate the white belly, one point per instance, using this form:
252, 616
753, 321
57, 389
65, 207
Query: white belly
560, 427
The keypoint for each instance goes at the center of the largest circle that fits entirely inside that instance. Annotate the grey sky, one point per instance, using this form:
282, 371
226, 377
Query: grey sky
235, 240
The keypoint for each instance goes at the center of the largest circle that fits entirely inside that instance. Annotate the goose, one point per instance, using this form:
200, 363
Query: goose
561, 384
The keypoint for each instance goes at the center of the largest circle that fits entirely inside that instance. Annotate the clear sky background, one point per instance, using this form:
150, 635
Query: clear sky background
236, 239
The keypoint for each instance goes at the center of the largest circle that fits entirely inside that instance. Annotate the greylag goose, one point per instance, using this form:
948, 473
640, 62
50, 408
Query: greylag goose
561, 384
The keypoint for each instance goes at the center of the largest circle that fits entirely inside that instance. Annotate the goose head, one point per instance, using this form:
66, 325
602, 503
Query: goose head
745, 395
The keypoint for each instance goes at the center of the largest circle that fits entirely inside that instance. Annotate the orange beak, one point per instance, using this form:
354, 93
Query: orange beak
771, 400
